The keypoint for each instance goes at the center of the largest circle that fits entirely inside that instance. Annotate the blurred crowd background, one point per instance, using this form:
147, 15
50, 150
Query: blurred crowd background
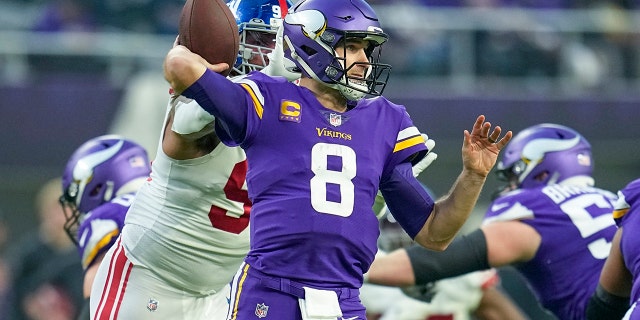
71, 70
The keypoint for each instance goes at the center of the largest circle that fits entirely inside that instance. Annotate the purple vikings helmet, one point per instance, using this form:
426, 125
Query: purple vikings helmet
314, 28
98, 171
258, 22
545, 154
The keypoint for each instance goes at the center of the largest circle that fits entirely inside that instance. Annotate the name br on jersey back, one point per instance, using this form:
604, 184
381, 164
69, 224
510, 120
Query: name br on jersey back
313, 176
576, 227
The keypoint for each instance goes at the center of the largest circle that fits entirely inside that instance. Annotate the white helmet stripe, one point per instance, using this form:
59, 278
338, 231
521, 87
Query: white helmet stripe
312, 22
536, 149
84, 167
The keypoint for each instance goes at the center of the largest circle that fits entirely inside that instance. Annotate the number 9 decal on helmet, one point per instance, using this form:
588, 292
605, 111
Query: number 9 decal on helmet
258, 22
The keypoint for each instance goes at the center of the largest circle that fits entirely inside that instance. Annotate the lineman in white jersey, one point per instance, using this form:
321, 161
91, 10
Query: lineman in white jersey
185, 234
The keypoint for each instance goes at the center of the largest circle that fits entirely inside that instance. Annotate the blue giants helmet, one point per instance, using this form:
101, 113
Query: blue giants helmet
258, 22
97, 172
314, 28
545, 154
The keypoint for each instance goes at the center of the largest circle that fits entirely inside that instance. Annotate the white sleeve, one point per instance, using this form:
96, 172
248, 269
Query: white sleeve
189, 117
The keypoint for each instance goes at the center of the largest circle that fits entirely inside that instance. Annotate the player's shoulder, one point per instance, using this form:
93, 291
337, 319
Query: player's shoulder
117, 207
381, 102
632, 191
519, 195
109, 207
385, 110
634, 184
539, 203
518, 204
258, 76
612, 197
627, 202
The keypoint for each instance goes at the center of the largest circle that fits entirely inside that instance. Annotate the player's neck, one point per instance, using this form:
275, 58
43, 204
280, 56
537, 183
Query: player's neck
329, 98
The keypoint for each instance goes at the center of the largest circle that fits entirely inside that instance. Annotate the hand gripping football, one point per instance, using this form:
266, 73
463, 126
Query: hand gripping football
208, 28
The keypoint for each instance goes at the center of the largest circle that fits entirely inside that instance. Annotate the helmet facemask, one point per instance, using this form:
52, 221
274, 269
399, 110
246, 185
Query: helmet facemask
258, 22
257, 40
70, 202
72, 215
511, 175
356, 87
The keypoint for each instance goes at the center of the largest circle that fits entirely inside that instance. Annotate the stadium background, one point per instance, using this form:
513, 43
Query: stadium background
562, 62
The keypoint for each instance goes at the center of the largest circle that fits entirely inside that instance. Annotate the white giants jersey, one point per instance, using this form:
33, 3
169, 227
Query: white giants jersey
189, 223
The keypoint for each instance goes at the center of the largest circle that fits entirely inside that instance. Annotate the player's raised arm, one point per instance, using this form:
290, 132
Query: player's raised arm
480, 151
187, 74
548, 171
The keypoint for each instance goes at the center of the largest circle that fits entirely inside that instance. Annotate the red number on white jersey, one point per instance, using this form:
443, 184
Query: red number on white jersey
233, 191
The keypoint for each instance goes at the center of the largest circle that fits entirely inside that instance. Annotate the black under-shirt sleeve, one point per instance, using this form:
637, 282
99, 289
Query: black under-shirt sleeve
605, 306
467, 253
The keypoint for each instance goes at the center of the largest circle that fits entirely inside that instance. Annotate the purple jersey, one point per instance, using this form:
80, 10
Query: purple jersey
576, 228
100, 228
627, 215
313, 175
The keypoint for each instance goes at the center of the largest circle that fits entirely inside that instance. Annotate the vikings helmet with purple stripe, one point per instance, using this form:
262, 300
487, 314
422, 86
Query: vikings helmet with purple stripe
98, 171
545, 154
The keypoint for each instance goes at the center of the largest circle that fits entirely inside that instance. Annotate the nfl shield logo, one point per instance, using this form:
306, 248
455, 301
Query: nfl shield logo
584, 160
335, 119
137, 162
261, 310
152, 305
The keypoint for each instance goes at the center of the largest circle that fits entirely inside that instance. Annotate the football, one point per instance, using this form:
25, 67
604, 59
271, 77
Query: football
208, 28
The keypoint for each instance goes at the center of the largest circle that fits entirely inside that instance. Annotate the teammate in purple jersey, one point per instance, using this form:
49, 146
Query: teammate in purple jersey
619, 286
317, 155
550, 223
98, 184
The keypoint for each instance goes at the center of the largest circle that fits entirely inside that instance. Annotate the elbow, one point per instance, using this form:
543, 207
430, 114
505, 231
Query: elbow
439, 230
432, 240
435, 246
432, 244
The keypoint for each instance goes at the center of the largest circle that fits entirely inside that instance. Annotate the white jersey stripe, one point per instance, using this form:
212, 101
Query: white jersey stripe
408, 133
